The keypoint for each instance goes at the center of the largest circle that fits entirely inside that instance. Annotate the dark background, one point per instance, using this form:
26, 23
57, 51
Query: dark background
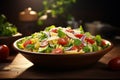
106, 11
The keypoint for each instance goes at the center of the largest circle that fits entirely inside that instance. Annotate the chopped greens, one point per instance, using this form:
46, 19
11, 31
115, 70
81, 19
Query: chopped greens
81, 29
49, 28
6, 28
30, 46
86, 49
98, 39
61, 33
77, 42
95, 48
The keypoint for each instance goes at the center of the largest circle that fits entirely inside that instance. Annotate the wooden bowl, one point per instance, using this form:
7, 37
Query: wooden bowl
63, 60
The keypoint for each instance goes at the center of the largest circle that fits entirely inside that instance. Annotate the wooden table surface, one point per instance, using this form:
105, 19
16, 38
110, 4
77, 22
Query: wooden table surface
18, 67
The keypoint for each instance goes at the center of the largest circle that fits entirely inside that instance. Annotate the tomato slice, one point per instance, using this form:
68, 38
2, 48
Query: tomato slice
70, 30
103, 43
78, 35
62, 41
91, 41
77, 47
74, 48
57, 51
54, 30
27, 42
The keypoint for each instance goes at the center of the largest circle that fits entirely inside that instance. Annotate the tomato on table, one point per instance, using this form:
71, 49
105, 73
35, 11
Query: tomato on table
4, 52
114, 63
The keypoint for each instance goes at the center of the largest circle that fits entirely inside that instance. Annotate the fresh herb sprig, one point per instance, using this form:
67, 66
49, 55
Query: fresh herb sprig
6, 28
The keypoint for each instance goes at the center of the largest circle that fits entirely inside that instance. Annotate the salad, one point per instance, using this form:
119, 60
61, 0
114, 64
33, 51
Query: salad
59, 40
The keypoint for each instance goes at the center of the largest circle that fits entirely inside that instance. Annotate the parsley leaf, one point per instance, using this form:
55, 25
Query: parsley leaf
30, 46
77, 42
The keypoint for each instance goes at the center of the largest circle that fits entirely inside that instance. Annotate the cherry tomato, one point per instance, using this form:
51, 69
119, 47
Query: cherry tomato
91, 41
74, 48
57, 51
4, 52
54, 30
114, 63
70, 30
62, 41
103, 43
27, 42
78, 35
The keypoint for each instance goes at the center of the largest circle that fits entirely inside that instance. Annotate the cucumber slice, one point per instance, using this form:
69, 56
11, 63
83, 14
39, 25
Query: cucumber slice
41, 49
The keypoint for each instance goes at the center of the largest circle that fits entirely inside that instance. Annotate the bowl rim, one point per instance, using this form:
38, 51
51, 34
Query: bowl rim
88, 53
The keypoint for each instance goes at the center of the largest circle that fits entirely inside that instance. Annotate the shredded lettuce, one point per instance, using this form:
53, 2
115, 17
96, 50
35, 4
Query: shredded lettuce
61, 33
81, 29
50, 27
98, 39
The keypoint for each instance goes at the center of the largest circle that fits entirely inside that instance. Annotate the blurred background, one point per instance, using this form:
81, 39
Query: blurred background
102, 16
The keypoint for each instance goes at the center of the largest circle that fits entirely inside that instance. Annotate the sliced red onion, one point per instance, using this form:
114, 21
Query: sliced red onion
47, 33
68, 48
44, 43
83, 39
71, 35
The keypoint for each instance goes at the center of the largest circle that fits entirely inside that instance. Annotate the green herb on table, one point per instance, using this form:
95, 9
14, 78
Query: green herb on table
6, 28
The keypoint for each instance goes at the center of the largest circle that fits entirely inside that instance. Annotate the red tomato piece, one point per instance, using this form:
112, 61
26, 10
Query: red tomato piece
62, 41
77, 47
70, 30
27, 42
103, 43
91, 41
114, 63
54, 30
78, 35
81, 46
74, 48
57, 51
4, 52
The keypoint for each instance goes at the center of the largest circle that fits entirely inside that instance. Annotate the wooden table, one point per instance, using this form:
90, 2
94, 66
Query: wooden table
18, 67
